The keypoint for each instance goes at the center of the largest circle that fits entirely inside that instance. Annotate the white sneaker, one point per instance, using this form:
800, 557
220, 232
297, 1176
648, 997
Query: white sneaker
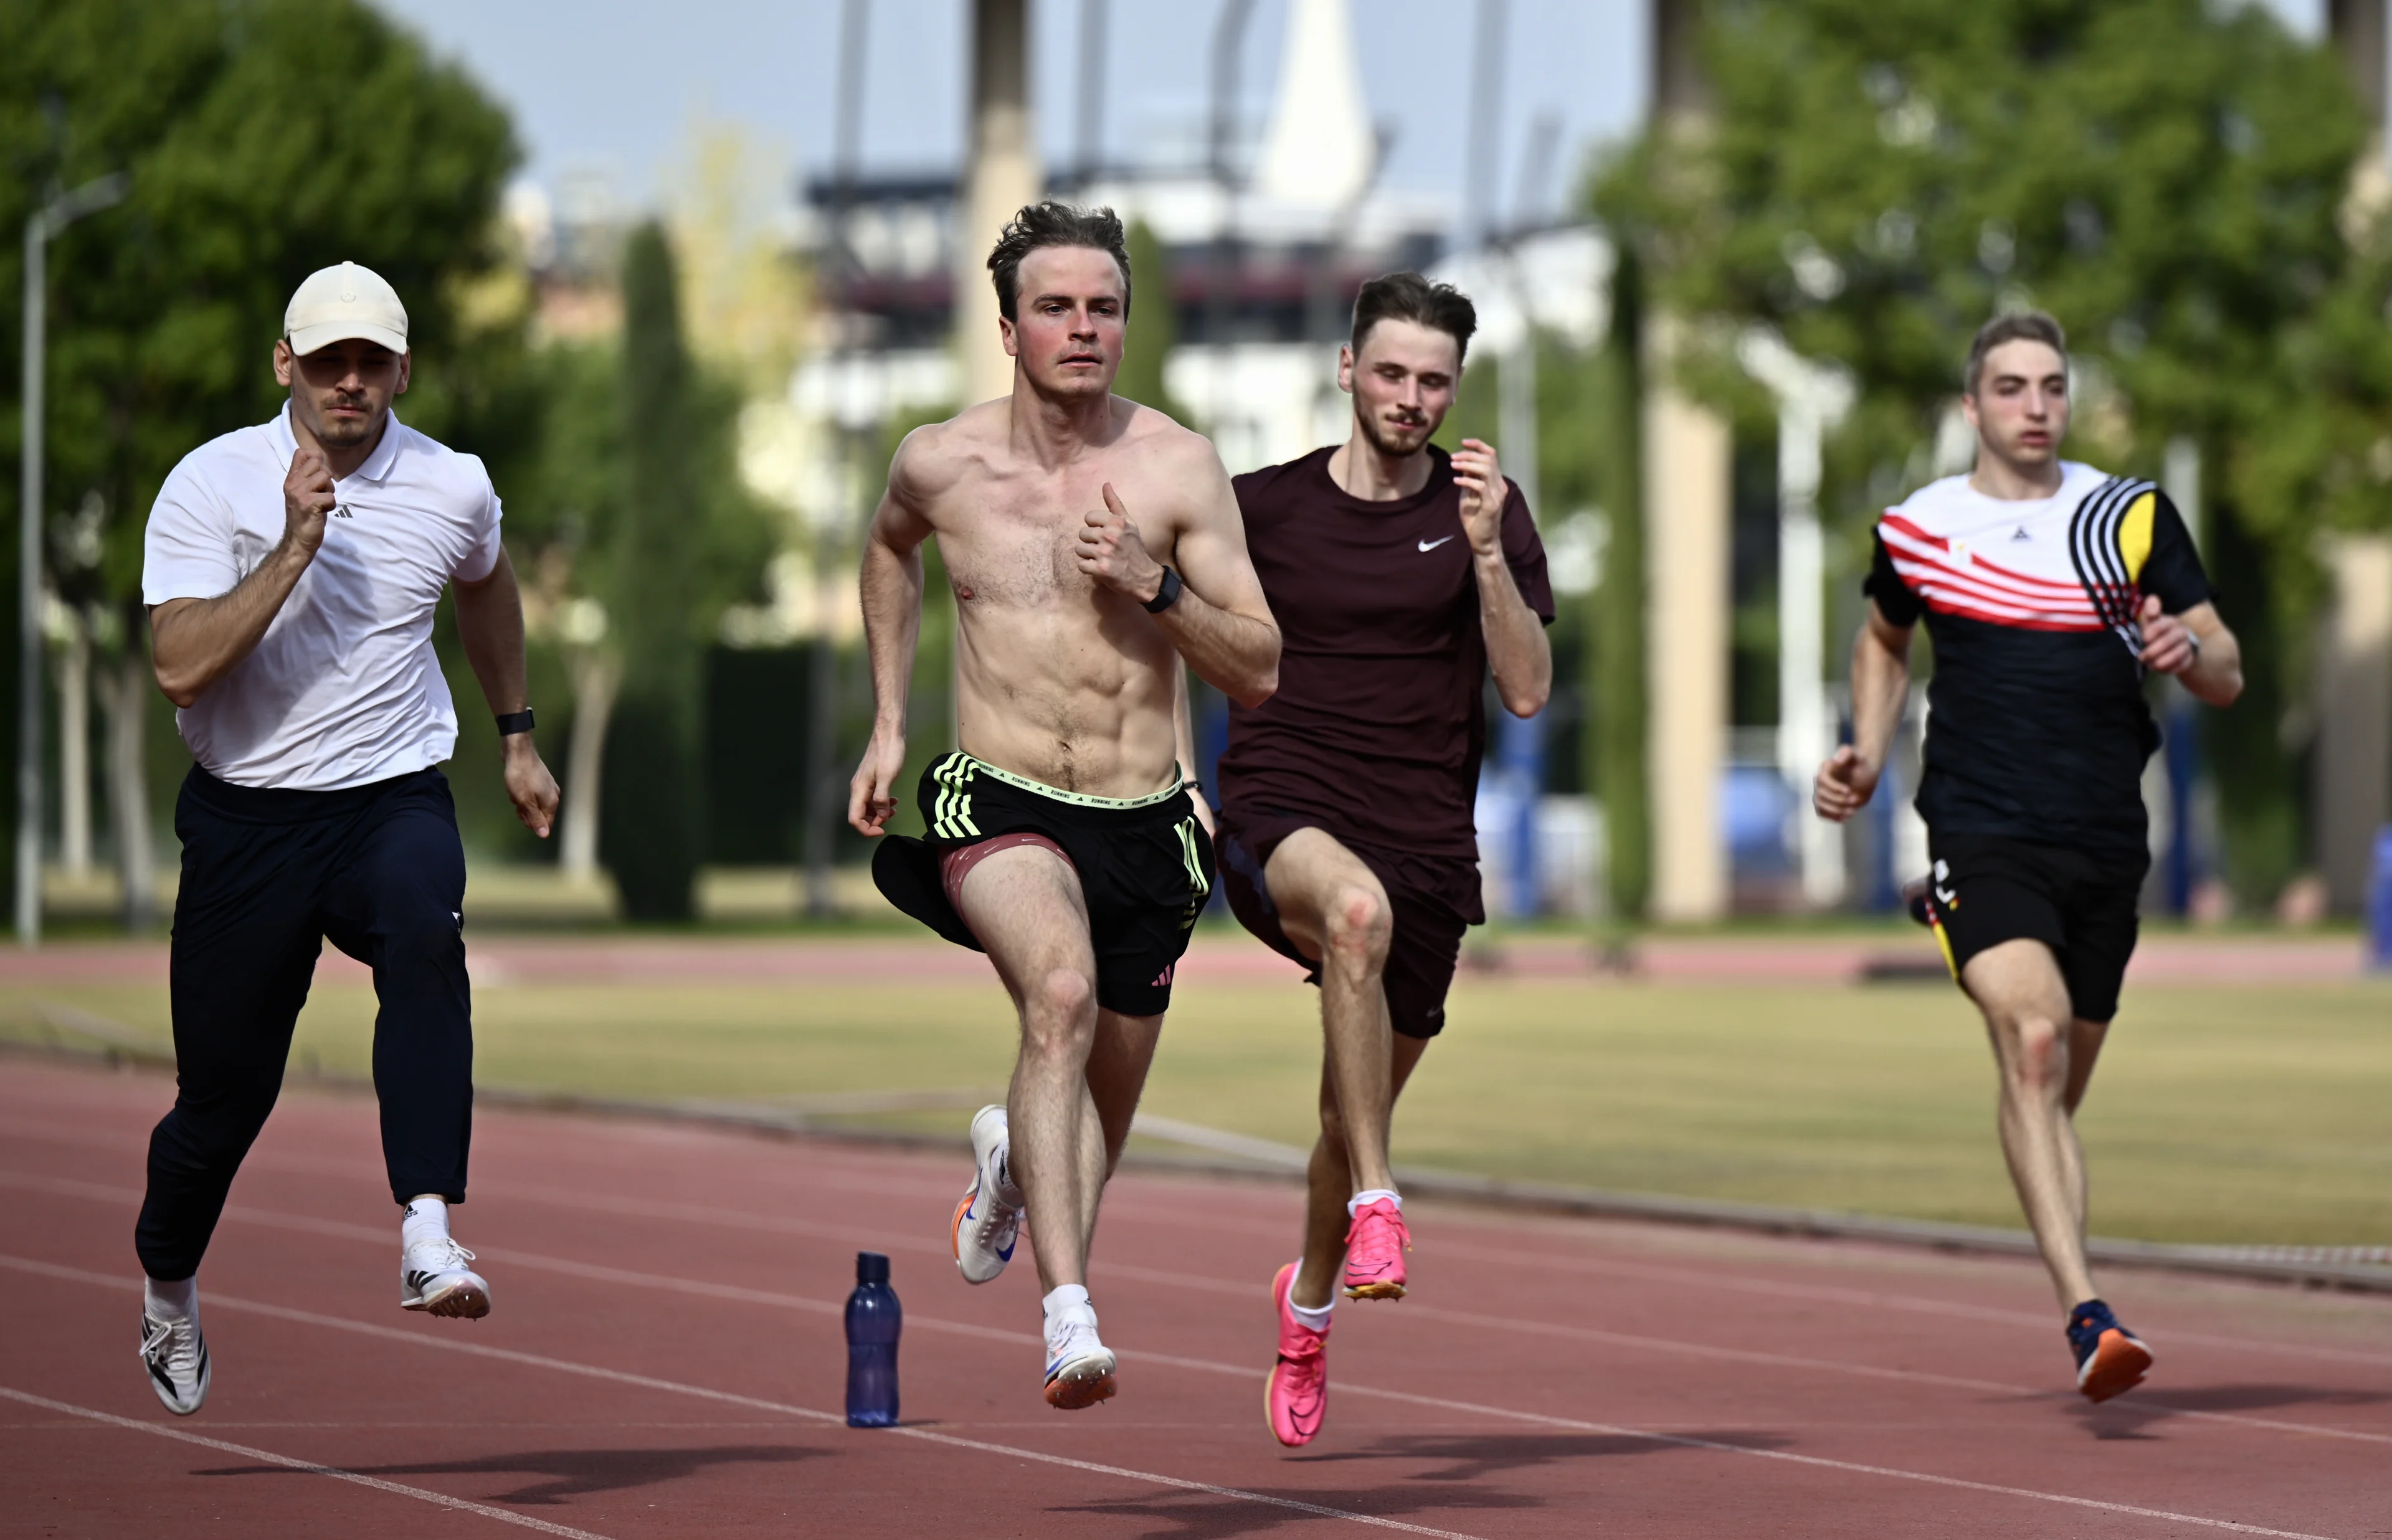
988, 1220
1079, 1367
176, 1356
432, 1277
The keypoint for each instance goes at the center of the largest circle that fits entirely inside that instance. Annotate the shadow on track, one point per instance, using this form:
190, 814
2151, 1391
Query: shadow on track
2133, 1416
561, 1473
1199, 1516
1474, 1456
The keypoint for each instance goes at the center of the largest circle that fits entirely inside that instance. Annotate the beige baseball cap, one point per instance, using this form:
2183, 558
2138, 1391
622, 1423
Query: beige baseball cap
333, 303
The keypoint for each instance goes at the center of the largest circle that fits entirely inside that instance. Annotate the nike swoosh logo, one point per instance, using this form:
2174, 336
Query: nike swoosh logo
1432, 545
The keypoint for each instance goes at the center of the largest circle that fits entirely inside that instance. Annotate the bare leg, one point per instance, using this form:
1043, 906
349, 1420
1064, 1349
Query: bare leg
1025, 906
2046, 1059
1335, 909
1116, 1077
1330, 1180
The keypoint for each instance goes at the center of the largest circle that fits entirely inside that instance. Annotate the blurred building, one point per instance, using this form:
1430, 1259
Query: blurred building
1262, 262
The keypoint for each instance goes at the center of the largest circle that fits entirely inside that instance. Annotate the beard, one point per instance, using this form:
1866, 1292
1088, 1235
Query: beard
1394, 448
343, 432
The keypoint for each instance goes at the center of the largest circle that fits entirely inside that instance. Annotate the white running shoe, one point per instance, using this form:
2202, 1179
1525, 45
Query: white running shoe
432, 1277
988, 1220
1079, 1366
176, 1356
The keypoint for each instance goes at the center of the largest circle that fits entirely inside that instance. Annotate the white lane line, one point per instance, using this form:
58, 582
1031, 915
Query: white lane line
1504, 1413
421, 1494
619, 1377
735, 1293
1690, 1278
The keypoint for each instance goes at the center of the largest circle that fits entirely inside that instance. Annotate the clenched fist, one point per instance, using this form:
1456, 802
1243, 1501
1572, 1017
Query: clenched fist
1480, 477
308, 499
1845, 785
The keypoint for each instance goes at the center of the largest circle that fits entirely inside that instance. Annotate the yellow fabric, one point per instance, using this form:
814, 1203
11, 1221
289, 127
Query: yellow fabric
2134, 536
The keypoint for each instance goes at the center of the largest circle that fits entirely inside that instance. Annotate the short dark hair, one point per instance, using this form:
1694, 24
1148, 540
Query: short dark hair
1053, 224
1410, 297
2025, 325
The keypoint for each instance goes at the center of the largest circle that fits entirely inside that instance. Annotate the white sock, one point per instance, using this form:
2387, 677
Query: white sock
427, 1218
1065, 1303
1362, 1201
161, 1300
1317, 1320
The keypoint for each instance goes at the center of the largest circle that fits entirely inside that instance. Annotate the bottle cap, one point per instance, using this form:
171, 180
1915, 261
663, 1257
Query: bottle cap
871, 1267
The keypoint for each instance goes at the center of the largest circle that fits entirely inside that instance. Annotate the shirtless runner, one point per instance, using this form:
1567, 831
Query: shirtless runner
1092, 544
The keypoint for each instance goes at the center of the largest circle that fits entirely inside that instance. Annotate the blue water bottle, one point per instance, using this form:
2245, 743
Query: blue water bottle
874, 1318
2379, 904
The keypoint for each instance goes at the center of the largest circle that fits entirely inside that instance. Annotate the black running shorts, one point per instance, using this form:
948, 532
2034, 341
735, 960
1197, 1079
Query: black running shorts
1145, 866
1991, 888
1435, 899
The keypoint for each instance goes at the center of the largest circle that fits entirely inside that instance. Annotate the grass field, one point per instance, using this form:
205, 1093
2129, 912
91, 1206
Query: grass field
2221, 1114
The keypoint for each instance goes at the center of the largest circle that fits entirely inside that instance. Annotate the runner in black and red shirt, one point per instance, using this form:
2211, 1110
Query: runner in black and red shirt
1399, 574
2049, 590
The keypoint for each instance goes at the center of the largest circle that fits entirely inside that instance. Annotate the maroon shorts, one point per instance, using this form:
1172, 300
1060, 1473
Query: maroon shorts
1435, 899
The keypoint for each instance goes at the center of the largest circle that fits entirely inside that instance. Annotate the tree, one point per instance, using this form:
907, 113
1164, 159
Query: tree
1153, 325
2170, 177
163, 312
688, 540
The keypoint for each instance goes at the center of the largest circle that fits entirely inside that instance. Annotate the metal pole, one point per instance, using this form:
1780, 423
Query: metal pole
1089, 129
1483, 163
52, 217
1229, 38
29, 597
1802, 728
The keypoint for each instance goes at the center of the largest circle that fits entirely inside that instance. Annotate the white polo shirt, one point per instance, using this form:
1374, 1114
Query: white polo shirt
344, 689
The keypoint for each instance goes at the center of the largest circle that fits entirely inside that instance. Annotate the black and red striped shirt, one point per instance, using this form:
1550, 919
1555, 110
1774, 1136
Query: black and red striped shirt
2038, 727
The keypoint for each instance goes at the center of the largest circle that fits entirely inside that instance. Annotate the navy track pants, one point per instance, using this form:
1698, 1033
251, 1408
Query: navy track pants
267, 876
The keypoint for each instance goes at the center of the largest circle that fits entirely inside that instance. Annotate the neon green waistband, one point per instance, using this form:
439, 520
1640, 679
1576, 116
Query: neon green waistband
1077, 799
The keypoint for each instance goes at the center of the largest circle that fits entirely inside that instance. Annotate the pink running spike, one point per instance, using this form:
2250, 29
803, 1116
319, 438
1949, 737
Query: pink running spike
1296, 1395
1375, 1245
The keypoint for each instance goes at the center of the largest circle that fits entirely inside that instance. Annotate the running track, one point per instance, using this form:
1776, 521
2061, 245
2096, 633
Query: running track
665, 1359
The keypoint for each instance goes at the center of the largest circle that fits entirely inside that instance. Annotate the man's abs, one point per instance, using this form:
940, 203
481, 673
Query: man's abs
1068, 693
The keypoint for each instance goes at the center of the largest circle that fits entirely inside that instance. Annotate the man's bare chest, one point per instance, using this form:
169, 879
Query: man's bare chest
1020, 546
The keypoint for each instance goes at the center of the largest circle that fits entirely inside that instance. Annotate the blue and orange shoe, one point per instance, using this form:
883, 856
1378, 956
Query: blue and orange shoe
2110, 1359
988, 1220
1375, 1243
1296, 1395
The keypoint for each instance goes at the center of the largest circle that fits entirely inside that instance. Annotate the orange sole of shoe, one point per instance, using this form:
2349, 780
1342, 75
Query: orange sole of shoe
956, 1231
1071, 1395
1376, 1291
2119, 1364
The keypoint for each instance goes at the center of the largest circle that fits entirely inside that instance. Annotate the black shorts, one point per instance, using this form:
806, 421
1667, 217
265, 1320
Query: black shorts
1435, 899
1991, 888
1145, 866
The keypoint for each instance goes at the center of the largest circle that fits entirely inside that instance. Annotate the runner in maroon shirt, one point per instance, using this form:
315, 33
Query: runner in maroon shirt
1398, 576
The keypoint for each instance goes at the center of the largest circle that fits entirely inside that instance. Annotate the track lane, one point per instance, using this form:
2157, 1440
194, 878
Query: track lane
1164, 1231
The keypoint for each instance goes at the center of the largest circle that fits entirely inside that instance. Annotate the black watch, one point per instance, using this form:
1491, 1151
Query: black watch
1167, 594
515, 722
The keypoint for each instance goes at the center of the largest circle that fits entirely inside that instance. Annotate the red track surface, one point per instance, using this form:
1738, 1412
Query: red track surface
665, 1359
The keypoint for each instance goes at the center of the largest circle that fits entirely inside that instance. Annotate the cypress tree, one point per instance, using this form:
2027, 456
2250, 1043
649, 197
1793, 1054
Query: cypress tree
652, 815
1615, 658
1153, 325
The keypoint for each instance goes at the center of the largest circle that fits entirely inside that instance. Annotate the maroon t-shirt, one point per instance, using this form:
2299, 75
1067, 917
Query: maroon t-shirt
1380, 719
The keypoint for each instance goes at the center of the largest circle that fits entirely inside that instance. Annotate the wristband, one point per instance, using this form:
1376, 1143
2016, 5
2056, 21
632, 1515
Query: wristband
515, 722
1166, 595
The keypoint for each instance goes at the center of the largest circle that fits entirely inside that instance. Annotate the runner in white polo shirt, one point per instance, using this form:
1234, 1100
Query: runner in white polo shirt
292, 570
